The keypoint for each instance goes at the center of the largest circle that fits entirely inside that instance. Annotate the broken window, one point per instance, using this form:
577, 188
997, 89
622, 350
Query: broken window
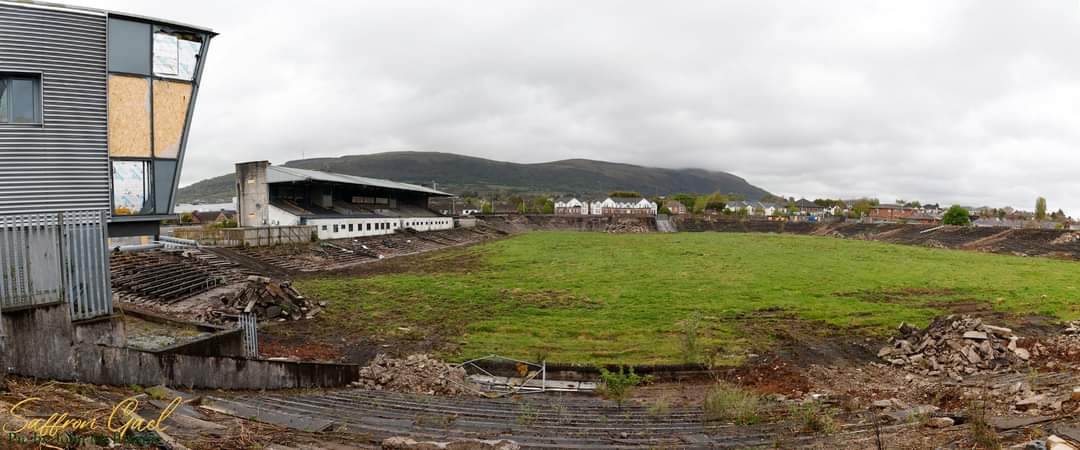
20, 98
131, 188
176, 55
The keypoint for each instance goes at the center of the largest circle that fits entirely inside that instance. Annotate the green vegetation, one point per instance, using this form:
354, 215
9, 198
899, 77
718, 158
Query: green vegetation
618, 386
599, 298
727, 402
814, 417
1040, 208
956, 215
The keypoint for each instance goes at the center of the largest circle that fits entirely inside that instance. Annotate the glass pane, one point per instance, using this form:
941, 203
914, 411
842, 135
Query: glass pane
5, 101
131, 188
24, 100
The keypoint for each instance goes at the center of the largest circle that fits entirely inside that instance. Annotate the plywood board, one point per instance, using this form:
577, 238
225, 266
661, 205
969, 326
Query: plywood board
129, 116
171, 101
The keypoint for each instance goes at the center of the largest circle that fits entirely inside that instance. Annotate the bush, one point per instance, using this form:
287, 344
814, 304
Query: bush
956, 215
691, 349
815, 418
726, 402
619, 385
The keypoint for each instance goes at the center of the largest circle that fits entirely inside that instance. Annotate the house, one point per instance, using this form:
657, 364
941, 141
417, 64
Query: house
890, 212
676, 207
738, 206
628, 206
571, 206
211, 217
770, 209
808, 208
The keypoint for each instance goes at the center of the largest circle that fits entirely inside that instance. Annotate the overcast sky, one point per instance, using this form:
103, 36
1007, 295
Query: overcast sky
976, 102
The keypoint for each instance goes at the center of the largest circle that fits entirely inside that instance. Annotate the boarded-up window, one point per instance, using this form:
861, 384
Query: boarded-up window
129, 116
171, 101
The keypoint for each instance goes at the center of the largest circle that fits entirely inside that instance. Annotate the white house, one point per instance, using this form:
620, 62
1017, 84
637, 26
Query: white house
571, 206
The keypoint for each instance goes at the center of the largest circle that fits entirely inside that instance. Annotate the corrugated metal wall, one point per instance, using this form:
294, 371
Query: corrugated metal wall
62, 165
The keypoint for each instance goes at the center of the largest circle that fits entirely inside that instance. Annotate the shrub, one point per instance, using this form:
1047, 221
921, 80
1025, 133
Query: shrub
815, 418
726, 402
956, 215
691, 349
619, 385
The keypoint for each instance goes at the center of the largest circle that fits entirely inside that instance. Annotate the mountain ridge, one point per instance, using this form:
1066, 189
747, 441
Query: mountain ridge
469, 174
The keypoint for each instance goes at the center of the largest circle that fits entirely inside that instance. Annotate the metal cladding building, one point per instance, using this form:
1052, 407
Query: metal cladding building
338, 205
94, 111
95, 108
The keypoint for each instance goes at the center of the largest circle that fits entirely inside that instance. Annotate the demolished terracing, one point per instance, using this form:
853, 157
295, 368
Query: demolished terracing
955, 346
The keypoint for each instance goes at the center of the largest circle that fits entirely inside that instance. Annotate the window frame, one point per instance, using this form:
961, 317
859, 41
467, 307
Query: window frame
40, 76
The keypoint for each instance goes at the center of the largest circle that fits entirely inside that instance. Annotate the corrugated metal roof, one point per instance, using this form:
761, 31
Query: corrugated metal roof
281, 174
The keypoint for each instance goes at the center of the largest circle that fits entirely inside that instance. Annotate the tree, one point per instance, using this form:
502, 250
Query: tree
624, 194
686, 199
699, 204
549, 207
956, 215
487, 208
1040, 208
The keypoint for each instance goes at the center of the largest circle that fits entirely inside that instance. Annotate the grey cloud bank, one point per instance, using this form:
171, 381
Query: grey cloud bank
975, 102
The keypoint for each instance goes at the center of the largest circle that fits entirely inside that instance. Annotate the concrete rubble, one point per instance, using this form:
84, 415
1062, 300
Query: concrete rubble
955, 346
416, 374
404, 443
268, 299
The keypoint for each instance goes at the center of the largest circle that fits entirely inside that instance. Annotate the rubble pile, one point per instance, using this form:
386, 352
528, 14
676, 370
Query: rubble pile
955, 346
268, 299
627, 226
416, 374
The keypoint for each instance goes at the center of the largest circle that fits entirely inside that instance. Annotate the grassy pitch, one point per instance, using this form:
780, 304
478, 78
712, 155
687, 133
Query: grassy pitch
607, 298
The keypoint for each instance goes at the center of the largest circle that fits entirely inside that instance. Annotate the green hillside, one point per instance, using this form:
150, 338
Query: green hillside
457, 173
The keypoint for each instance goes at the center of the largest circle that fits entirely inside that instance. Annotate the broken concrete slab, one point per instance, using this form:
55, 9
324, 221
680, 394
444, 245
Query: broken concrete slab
404, 443
1002, 423
267, 415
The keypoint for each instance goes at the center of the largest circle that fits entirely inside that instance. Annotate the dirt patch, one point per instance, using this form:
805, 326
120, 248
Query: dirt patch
322, 340
458, 260
298, 348
898, 296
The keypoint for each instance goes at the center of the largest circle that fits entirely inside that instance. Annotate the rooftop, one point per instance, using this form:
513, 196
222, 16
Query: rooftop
281, 174
103, 12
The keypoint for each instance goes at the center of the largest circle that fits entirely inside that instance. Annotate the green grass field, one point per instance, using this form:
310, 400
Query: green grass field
606, 298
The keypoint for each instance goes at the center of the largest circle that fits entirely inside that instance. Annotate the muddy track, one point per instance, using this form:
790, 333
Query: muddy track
541, 422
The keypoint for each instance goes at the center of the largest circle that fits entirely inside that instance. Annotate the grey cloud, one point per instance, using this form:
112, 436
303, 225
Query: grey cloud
952, 101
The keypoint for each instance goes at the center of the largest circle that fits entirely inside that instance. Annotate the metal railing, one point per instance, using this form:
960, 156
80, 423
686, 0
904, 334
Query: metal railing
56, 257
251, 335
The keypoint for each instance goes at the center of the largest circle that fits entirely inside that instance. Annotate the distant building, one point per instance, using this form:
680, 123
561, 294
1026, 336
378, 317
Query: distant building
628, 206
676, 207
340, 206
606, 206
808, 208
888, 212
571, 206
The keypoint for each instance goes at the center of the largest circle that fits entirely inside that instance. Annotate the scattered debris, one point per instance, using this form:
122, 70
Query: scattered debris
627, 226
268, 299
955, 346
417, 374
404, 443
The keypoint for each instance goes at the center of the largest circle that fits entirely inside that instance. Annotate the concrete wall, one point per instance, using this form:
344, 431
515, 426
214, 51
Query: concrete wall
42, 342
252, 237
253, 194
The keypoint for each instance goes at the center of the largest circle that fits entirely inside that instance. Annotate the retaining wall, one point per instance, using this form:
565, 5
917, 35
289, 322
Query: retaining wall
43, 343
